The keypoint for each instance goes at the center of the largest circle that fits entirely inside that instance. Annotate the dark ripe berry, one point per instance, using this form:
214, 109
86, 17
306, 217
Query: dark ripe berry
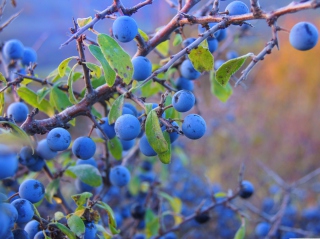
146, 165
202, 218
138, 211
246, 190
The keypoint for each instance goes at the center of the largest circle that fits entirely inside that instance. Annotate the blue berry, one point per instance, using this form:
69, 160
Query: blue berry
132, 108
142, 68
125, 28
237, 8
174, 135
184, 84
39, 235
8, 235
145, 147
194, 126
11, 213
82, 187
213, 44
26, 157
170, 235
37, 166
187, 42
289, 235
90, 161
303, 36
119, 176
262, 229
58, 139
127, 111
29, 56
231, 55
91, 230
107, 129
20, 234
183, 100
247, 189
146, 165
3, 197
13, 49
44, 151
32, 190
8, 162
4, 223
138, 211
84, 147
188, 71
139, 236
25, 210
127, 127
32, 228
127, 144
19, 111
222, 35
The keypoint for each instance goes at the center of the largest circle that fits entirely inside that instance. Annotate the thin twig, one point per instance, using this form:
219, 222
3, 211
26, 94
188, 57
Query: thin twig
4, 25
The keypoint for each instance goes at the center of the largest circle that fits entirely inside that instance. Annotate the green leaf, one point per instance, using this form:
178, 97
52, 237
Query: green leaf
204, 44
170, 111
36, 212
116, 109
148, 107
105, 234
223, 93
42, 93
76, 225
134, 185
76, 76
143, 35
52, 189
111, 218
64, 230
2, 78
115, 148
1, 102
220, 195
87, 174
166, 156
241, 231
17, 131
118, 59
59, 99
152, 223
227, 69
177, 40
175, 203
81, 199
58, 216
83, 21
154, 133
31, 98
109, 73
72, 98
63, 66
201, 59
95, 69
163, 48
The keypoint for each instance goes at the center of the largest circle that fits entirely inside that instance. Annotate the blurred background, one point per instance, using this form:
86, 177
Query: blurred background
275, 120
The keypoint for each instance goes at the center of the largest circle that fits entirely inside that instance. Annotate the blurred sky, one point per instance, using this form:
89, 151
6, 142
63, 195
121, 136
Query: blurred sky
51, 20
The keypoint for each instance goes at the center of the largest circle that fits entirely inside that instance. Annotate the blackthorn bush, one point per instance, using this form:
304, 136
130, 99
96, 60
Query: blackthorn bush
102, 152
